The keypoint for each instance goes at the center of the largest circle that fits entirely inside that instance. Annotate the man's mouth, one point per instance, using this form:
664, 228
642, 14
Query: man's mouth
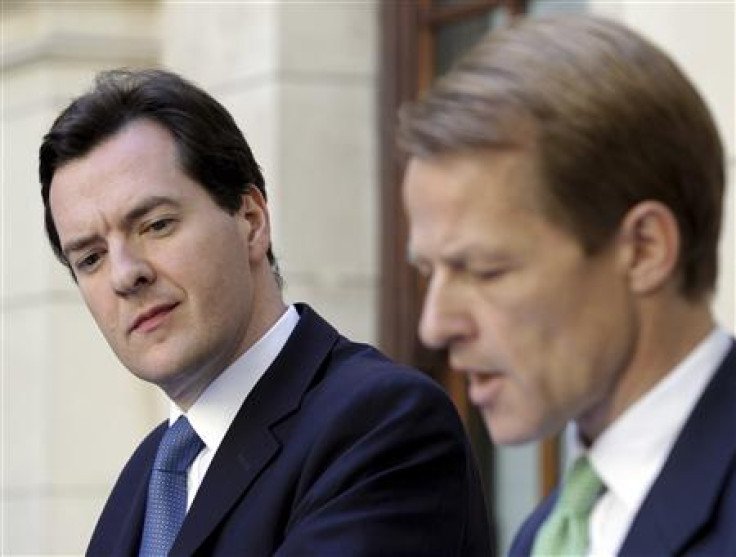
484, 387
151, 318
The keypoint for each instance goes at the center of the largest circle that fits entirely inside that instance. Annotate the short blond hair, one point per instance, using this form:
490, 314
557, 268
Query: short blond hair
611, 118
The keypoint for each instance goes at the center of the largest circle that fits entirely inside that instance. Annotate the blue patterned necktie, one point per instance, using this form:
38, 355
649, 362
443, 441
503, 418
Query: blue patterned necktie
167, 488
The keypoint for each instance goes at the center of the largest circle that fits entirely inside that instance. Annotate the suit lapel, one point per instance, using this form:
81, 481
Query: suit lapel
132, 526
523, 541
118, 530
249, 445
682, 498
235, 466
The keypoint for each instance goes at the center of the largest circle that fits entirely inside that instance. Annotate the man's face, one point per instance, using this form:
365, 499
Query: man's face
166, 273
542, 331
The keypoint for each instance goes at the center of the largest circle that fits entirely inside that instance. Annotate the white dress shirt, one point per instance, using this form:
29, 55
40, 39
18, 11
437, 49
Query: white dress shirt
630, 453
214, 411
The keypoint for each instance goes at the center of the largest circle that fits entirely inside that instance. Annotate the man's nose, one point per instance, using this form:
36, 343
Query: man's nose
444, 316
130, 271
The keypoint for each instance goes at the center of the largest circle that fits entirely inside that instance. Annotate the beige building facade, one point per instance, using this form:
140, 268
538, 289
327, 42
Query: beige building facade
301, 78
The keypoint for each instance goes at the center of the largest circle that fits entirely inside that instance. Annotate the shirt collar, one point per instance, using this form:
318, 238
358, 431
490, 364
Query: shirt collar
630, 453
215, 409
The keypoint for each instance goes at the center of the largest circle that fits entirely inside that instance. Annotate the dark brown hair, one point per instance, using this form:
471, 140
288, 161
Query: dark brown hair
211, 148
612, 121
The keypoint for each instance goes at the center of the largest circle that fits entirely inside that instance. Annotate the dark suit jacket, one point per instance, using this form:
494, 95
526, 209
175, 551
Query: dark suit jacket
337, 451
691, 507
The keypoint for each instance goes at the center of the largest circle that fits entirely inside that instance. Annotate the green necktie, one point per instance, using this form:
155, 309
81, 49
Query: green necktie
565, 532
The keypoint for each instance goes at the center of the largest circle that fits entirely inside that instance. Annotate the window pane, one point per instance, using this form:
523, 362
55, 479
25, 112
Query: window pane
453, 39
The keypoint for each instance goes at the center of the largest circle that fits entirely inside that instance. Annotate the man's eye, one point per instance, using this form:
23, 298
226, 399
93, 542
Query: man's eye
160, 226
88, 262
487, 274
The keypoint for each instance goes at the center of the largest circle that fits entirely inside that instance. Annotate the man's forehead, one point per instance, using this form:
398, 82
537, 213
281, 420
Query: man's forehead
495, 180
473, 206
140, 151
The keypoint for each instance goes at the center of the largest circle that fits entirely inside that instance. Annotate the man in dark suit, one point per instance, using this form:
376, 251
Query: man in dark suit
284, 437
564, 198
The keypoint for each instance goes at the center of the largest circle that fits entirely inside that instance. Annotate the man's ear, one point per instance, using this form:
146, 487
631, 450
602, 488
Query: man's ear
651, 245
254, 210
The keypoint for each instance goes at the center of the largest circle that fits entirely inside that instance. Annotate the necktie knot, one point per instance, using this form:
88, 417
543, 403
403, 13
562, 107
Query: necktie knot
178, 448
581, 488
565, 532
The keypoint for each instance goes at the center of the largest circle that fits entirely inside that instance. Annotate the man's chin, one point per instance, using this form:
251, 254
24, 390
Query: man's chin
164, 377
509, 434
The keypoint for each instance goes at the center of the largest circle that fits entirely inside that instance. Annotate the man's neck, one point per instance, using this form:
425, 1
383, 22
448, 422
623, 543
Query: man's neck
267, 307
666, 331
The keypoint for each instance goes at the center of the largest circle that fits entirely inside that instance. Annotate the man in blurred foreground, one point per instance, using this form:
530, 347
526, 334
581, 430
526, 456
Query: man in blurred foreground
564, 197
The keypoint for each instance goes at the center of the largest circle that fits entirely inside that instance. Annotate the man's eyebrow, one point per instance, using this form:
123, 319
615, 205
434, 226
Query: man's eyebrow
137, 212
145, 207
79, 244
461, 255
